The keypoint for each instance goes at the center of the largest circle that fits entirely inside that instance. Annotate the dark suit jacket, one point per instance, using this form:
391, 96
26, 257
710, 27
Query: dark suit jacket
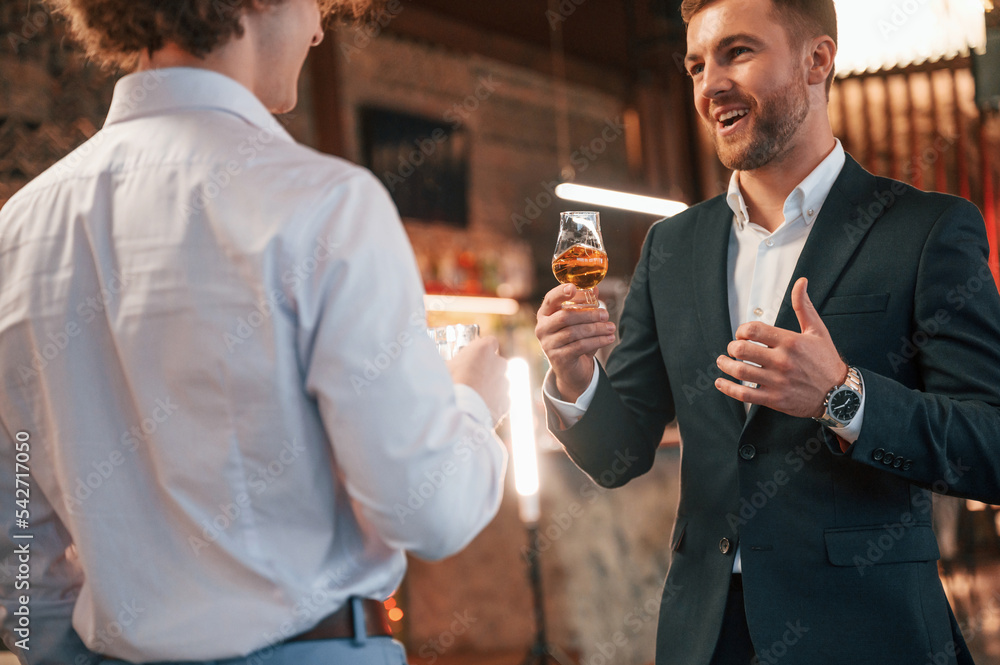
838, 554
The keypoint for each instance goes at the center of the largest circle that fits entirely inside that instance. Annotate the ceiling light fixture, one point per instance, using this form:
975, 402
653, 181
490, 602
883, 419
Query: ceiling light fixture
885, 34
613, 199
470, 304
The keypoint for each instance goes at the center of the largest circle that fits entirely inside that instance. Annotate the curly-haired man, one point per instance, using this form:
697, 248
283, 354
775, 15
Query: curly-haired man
218, 399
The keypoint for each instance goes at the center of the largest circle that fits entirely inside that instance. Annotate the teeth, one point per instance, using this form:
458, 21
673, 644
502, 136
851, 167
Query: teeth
733, 114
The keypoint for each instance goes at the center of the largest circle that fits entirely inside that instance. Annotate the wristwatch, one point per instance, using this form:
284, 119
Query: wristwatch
843, 402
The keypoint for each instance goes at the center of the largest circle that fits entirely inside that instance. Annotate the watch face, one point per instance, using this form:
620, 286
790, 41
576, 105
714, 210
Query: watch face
844, 405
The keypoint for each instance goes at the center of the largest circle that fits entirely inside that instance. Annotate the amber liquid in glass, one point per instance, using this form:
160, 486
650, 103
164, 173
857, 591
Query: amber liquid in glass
584, 267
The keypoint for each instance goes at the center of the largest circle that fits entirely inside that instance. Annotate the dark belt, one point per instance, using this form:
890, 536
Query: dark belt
340, 624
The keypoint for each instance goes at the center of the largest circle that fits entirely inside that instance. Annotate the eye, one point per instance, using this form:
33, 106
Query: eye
739, 50
694, 70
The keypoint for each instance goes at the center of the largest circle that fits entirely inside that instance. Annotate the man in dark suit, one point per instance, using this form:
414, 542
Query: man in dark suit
852, 328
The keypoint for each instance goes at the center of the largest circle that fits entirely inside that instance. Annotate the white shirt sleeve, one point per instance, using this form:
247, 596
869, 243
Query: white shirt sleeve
570, 412
473, 404
417, 456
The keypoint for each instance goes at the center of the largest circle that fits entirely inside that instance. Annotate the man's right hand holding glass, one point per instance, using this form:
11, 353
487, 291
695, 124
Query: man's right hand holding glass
570, 338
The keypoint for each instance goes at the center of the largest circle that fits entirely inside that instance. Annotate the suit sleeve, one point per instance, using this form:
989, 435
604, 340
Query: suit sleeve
616, 439
944, 434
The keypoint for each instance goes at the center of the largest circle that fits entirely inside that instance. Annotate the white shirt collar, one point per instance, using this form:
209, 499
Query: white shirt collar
161, 91
805, 200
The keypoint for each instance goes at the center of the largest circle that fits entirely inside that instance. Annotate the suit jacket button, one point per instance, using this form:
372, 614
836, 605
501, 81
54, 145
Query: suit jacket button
898, 462
887, 460
907, 465
724, 545
878, 454
748, 452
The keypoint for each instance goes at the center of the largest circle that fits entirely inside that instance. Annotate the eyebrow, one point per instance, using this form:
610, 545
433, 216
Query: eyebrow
728, 41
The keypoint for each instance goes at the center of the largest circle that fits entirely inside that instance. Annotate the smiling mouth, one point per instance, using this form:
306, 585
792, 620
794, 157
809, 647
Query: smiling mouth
731, 118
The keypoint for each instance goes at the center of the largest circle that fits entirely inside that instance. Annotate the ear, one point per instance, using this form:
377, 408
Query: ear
822, 53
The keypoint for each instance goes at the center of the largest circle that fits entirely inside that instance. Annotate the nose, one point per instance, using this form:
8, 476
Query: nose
714, 81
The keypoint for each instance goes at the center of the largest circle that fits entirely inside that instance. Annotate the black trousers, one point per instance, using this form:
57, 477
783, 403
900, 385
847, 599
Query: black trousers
734, 646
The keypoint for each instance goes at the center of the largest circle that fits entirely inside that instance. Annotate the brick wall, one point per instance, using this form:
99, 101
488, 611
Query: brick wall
51, 100
510, 117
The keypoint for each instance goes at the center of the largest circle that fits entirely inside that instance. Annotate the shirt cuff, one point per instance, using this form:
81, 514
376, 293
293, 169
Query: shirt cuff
473, 404
571, 412
853, 430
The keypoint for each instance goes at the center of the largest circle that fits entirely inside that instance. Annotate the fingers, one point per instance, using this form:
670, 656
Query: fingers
742, 393
761, 332
482, 346
555, 298
561, 327
741, 371
581, 333
491, 342
586, 346
575, 330
755, 353
809, 319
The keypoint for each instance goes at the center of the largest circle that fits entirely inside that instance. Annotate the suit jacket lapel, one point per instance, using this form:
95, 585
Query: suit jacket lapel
711, 261
847, 214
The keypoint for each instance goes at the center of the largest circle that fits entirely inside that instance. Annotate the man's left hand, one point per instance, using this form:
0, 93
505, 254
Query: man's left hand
796, 370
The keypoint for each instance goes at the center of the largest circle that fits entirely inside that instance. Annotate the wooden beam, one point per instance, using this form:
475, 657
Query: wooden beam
940, 177
845, 134
890, 125
989, 198
916, 174
867, 130
325, 78
961, 154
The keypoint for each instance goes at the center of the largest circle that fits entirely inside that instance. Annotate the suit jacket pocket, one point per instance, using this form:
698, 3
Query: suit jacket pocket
870, 545
861, 304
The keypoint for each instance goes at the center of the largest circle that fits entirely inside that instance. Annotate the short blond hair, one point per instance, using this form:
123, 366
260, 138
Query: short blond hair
803, 20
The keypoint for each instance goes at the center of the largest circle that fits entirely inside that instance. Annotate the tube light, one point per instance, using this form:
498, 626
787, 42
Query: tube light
612, 199
522, 433
470, 304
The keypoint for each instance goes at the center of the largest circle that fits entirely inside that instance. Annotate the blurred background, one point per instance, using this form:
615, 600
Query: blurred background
472, 113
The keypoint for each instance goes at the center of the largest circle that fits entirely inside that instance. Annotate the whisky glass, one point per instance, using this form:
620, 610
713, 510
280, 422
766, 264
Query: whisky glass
452, 339
579, 258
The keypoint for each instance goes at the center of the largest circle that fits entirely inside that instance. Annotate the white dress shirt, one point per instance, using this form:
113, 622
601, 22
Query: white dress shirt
215, 339
760, 268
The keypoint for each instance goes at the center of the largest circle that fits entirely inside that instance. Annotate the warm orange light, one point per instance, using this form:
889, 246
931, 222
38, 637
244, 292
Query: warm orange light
390, 603
395, 614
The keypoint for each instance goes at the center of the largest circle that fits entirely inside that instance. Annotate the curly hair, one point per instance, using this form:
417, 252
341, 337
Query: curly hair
115, 32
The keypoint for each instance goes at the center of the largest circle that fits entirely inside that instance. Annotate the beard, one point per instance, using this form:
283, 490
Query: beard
775, 120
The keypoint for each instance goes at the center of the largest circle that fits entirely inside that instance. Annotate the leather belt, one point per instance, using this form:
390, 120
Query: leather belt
340, 624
